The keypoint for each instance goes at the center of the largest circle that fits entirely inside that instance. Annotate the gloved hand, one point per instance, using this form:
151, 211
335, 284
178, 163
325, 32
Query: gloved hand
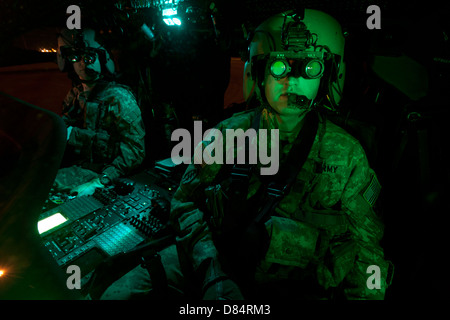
87, 188
72, 177
218, 286
69, 131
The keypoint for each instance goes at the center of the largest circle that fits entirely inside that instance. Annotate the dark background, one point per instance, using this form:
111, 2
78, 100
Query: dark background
395, 97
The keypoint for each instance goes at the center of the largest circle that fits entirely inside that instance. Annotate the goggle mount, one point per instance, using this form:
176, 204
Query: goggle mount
295, 36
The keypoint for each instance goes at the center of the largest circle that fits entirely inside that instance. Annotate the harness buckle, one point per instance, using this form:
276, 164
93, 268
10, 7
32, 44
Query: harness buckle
241, 173
276, 190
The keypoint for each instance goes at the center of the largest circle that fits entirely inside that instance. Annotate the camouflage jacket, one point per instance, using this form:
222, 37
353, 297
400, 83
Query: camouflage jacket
333, 196
108, 131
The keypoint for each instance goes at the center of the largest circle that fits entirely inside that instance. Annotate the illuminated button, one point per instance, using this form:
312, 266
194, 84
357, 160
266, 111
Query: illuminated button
50, 222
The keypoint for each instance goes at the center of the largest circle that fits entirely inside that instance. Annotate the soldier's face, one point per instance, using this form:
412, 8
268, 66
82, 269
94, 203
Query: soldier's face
88, 71
282, 93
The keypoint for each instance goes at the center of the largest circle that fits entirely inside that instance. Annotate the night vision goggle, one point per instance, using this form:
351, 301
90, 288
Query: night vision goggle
89, 55
305, 64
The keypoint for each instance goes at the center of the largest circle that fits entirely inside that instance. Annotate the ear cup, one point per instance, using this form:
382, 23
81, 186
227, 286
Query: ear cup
245, 54
62, 63
106, 61
254, 76
60, 60
247, 81
337, 86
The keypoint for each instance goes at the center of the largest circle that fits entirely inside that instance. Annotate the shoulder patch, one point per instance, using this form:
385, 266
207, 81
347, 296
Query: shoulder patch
372, 191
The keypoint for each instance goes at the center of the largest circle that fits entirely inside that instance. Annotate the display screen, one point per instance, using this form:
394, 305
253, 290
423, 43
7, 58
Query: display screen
51, 222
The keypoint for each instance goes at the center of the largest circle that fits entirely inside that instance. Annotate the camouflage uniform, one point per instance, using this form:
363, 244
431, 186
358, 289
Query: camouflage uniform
329, 211
107, 135
325, 229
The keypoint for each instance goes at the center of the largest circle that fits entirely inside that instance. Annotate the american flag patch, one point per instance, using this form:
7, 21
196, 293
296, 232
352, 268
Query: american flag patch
373, 191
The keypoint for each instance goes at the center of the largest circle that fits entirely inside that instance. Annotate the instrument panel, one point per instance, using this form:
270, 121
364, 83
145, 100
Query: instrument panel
113, 220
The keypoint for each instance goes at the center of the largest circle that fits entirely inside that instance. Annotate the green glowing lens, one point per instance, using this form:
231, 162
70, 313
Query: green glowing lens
73, 58
313, 69
278, 68
89, 58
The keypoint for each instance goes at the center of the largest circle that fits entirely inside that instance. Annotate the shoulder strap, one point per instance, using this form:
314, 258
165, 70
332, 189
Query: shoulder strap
240, 179
299, 151
283, 180
280, 183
